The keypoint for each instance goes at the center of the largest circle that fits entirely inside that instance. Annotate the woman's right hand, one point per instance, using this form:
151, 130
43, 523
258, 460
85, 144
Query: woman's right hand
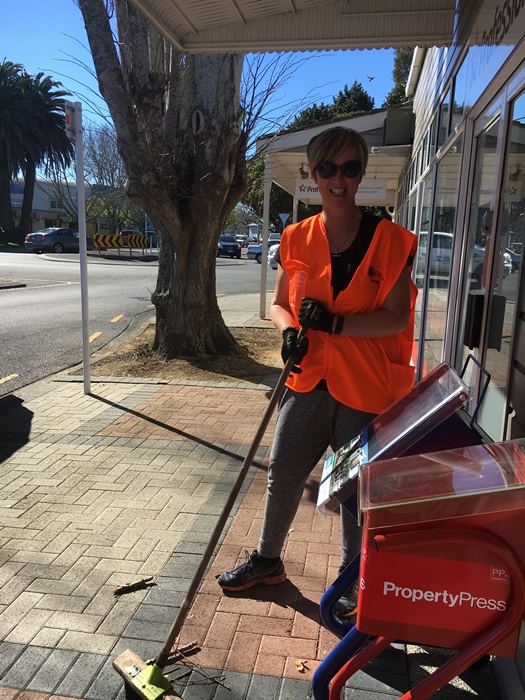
292, 349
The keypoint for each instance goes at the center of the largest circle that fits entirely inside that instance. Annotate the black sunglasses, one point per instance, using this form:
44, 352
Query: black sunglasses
326, 169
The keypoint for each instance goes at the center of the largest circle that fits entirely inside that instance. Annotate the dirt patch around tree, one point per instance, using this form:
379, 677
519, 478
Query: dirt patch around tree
262, 348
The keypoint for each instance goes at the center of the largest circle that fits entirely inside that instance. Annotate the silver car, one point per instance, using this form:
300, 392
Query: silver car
55, 240
272, 262
441, 256
254, 252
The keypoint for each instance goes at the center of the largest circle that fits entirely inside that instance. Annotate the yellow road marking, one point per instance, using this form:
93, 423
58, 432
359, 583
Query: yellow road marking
8, 378
117, 318
95, 335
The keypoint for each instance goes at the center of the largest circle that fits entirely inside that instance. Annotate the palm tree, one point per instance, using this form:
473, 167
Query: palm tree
32, 134
13, 116
48, 145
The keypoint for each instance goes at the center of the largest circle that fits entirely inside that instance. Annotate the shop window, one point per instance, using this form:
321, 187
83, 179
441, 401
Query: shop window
436, 253
484, 303
418, 164
459, 106
425, 152
412, 212
420, 262
432, 136
444, 118
507, 306
423, 227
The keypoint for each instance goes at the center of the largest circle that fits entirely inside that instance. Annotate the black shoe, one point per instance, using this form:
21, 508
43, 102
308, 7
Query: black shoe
251, 573
346, 606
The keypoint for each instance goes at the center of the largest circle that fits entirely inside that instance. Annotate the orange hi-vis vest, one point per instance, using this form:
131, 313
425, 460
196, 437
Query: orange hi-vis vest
367, 374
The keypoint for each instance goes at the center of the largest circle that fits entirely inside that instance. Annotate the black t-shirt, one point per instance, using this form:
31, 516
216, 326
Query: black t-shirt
345, 264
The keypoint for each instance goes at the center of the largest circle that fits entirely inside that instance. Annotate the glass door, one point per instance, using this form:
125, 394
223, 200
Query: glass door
504, 359
478, 259
493, 260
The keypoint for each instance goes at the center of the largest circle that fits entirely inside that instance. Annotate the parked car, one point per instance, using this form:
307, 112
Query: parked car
55, 240
515, 259
228, 247
272, 262
242, 240
255, 251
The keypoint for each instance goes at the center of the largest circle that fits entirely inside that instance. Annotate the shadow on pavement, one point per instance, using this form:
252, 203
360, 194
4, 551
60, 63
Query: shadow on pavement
181, 433
15, 425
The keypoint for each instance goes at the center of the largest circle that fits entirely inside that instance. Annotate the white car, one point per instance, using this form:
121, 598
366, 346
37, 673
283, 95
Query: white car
254, 252
272, 262
441, 256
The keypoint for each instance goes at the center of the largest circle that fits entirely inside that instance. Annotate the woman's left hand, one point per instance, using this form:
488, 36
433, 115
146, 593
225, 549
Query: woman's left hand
313, 314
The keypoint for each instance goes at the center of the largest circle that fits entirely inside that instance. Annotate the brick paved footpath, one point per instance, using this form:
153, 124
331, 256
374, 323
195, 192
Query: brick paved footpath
99, 490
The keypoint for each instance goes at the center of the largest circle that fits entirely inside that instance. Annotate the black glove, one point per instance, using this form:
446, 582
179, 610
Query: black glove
291, 349
312, 314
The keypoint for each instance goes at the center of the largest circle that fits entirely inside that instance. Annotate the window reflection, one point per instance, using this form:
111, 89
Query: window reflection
444, 113
439, 260
509, 250
460, 90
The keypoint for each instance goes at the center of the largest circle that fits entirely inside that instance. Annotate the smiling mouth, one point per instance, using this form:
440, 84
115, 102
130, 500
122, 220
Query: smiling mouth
337, 191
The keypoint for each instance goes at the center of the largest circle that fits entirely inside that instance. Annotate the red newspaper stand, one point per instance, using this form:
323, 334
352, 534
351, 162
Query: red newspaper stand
442, 556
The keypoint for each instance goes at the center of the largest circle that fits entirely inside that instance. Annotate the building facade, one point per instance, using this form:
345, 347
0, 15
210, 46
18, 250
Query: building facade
463, 194
464, 191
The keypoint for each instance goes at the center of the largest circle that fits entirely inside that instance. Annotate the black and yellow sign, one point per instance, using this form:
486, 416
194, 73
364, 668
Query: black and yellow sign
107, 240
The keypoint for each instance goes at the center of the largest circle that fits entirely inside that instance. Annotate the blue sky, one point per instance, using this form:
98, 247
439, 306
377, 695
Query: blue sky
46, 35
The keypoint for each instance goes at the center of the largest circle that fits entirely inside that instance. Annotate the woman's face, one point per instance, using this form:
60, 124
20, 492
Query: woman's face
338, 192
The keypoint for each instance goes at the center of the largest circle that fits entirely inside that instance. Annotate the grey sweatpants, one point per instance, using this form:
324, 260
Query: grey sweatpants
307, 424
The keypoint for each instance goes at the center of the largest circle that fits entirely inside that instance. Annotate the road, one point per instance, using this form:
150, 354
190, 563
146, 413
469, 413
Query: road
40, 324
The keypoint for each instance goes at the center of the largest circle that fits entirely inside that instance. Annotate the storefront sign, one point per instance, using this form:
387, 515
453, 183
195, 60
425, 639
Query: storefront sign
372, 189
307, 190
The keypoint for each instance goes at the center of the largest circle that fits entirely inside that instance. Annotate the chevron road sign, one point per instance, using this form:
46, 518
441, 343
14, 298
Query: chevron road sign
133, 240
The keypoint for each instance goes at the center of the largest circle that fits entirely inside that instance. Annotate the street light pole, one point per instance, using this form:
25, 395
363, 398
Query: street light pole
74, 132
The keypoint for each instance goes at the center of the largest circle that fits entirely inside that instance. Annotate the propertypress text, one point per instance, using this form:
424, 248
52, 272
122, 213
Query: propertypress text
451, 600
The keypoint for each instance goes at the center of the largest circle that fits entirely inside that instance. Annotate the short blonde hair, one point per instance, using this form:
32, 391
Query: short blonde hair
329, 144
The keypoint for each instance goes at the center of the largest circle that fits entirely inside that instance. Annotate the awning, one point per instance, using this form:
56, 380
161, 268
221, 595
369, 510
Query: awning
217, 26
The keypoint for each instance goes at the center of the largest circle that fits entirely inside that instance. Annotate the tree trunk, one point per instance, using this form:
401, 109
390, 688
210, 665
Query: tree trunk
184, 322
29, 191
6, 212
177, 121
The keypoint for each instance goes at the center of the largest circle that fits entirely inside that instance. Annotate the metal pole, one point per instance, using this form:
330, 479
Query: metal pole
264, 248
81, 203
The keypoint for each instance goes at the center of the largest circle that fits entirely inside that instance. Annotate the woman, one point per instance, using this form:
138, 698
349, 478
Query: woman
345, 276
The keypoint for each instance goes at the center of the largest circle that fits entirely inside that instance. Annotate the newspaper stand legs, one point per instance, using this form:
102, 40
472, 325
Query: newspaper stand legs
483, 642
